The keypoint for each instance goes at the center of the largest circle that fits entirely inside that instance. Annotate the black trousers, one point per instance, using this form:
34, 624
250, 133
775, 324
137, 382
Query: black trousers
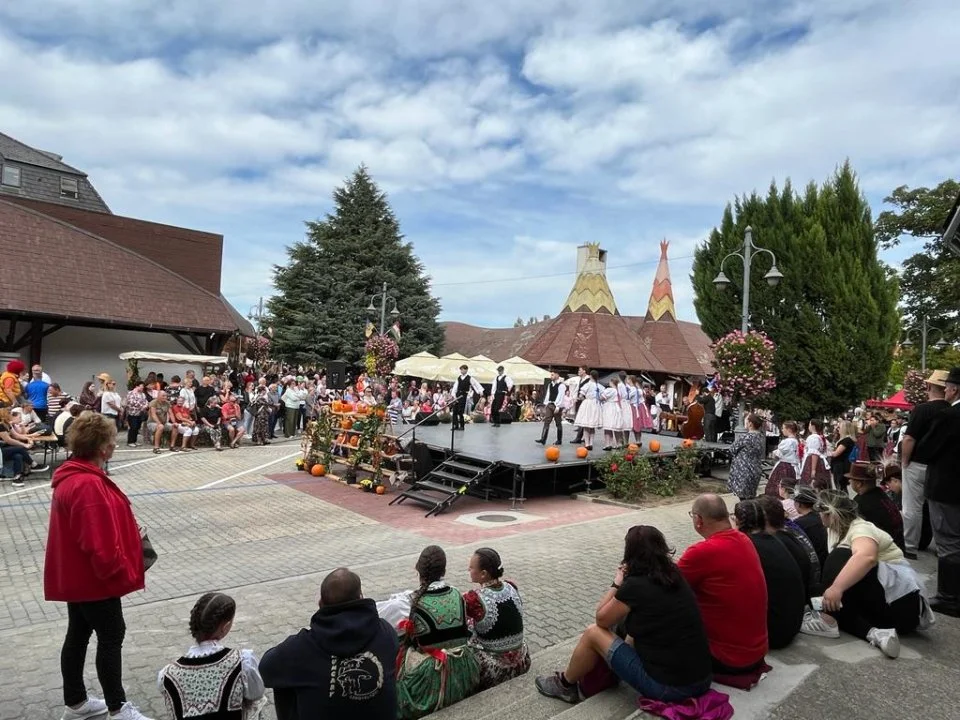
552, 414
495, 409
459, 407
865, 604
134, 423
710, 428
105, 618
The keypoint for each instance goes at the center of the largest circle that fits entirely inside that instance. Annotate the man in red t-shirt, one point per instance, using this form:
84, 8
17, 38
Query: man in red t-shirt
232, 420
725, 574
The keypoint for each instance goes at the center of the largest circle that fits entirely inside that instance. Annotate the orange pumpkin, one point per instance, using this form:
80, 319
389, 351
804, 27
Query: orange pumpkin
654, 446
346, 407
381, 489
336, 406
318, 470
354, 441
361, 408
552, 453
582, 452
346, 423
381, 413
633, 448
687, 443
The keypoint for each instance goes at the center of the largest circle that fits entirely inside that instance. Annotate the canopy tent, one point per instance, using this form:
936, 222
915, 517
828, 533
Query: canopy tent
422, 365
482, 368
897, 401
180, 358
523, 372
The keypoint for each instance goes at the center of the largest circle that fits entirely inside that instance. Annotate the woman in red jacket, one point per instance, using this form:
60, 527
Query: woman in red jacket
94, 557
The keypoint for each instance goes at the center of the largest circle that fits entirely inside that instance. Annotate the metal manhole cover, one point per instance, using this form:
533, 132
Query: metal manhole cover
496, 518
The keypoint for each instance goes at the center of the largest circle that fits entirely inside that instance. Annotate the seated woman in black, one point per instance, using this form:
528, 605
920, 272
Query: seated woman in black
666, 655
795, 541
809, 521
786, 594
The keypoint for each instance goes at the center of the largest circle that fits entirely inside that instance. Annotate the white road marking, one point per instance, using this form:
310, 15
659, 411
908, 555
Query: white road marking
248, 471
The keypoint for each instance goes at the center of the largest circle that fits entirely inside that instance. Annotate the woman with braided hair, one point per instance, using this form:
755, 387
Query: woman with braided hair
495, 615
435, 667
786, 591
211, 680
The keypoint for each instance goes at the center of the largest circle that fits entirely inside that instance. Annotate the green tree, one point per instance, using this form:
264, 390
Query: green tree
929, 279
319, 311
833, 316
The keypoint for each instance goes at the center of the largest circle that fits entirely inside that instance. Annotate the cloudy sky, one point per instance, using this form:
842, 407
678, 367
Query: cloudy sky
506, 132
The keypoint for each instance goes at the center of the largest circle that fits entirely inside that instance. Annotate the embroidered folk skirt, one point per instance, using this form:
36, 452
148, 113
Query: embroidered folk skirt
815, 472
780, 471
426, 683
496, 668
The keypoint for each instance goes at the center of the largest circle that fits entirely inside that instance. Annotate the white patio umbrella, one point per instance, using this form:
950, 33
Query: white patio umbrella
523, 372
422, 365
450, 366
482, 368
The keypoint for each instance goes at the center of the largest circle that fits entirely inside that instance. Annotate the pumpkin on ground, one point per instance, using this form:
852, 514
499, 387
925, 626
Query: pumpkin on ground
633, 448
654, 446
381, 489
582, 452
552, 453
318, 470
687, 443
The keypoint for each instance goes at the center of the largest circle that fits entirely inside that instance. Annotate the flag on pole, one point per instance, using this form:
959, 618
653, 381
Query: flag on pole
395, 329
368, 331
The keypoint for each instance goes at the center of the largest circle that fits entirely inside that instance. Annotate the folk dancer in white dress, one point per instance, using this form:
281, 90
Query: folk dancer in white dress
588, 416
788, 459
816, 470
610, 412
626, 412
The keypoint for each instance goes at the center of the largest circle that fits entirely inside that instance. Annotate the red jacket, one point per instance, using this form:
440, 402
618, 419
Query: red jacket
93, 545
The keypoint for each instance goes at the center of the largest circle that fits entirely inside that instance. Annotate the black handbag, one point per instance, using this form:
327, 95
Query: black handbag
149, 554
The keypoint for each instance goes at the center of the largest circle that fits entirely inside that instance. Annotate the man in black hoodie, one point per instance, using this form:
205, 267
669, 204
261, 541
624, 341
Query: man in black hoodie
343, 666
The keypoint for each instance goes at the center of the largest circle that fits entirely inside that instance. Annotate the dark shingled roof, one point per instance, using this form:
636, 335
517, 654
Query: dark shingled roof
13, 149
87, 278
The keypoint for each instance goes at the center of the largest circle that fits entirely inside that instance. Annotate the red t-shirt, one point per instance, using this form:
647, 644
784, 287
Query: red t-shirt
181, 413
228, 411
725, 574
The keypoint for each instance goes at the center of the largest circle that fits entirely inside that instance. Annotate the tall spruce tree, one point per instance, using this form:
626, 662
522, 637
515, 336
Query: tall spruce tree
833, 316
319, 311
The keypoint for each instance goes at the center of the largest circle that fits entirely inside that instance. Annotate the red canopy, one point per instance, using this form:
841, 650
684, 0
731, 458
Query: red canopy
897, 401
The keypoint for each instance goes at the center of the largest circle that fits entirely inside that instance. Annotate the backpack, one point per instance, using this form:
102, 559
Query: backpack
854, 454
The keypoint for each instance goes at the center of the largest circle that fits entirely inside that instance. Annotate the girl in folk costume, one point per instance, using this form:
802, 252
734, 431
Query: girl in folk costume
644, 421
211, 680
788, 459
815, 470
588, 416
626, 412
611, 419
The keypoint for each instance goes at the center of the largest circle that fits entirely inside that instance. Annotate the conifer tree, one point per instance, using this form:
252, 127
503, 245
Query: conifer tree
319, 311
833, 316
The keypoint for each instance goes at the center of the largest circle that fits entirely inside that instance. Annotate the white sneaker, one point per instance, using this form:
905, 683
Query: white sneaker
128, 712
814, 624
886, 640
92, 707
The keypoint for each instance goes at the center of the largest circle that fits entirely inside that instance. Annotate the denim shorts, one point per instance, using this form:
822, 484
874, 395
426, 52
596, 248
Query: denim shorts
628, 666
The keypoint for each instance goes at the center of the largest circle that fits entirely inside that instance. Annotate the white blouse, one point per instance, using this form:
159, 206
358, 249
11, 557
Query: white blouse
788, 451
397, 607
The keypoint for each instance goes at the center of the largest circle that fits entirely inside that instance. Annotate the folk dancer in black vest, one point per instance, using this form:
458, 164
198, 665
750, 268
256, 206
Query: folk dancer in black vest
584, 379
465, 386
502, 386
553, 408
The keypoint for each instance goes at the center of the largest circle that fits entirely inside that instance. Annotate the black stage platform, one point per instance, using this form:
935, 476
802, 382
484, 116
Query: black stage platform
521, 458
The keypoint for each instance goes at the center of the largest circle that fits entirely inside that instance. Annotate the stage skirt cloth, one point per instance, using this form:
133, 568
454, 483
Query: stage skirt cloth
643, 422
815, 472
626, 415
588, 416
611, 419
780, 471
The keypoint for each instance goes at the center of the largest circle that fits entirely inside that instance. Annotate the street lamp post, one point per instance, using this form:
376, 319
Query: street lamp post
925, 329
371, 308
255, 315
721, 281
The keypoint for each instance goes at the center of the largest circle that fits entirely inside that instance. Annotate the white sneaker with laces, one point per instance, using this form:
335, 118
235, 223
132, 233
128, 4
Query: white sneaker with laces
91, 708
814, 624
886, 640
128, 712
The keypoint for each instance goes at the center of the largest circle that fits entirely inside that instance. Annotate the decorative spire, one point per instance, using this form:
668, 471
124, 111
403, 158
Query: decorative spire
661, 305
590, 292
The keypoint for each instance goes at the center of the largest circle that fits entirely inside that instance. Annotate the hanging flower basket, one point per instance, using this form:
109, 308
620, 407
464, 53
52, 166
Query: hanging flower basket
744, 362
381, 355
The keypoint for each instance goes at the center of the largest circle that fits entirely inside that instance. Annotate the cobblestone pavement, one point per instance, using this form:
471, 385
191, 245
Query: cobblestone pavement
269, 545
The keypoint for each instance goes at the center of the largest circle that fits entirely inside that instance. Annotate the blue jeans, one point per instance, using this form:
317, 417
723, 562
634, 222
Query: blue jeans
628, 666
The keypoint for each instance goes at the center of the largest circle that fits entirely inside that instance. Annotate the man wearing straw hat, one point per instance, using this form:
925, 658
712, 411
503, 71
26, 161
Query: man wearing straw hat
943, 497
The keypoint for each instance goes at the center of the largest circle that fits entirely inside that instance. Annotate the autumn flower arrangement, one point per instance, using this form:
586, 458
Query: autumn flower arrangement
744, 362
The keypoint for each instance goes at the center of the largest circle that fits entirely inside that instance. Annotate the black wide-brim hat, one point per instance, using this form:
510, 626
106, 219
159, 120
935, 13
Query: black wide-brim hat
953, 378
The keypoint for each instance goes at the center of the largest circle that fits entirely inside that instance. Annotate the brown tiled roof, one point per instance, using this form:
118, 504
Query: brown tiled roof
598, 340
192, 254
495, 343
55, 270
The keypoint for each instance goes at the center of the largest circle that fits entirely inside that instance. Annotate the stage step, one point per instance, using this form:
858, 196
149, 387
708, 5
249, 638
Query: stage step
446, 483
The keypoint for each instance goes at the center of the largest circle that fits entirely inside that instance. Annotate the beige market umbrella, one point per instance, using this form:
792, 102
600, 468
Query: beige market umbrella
523, 372
422, 365
482, 368
450, 366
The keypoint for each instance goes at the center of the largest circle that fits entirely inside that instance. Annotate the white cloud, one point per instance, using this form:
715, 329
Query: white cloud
488, 123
